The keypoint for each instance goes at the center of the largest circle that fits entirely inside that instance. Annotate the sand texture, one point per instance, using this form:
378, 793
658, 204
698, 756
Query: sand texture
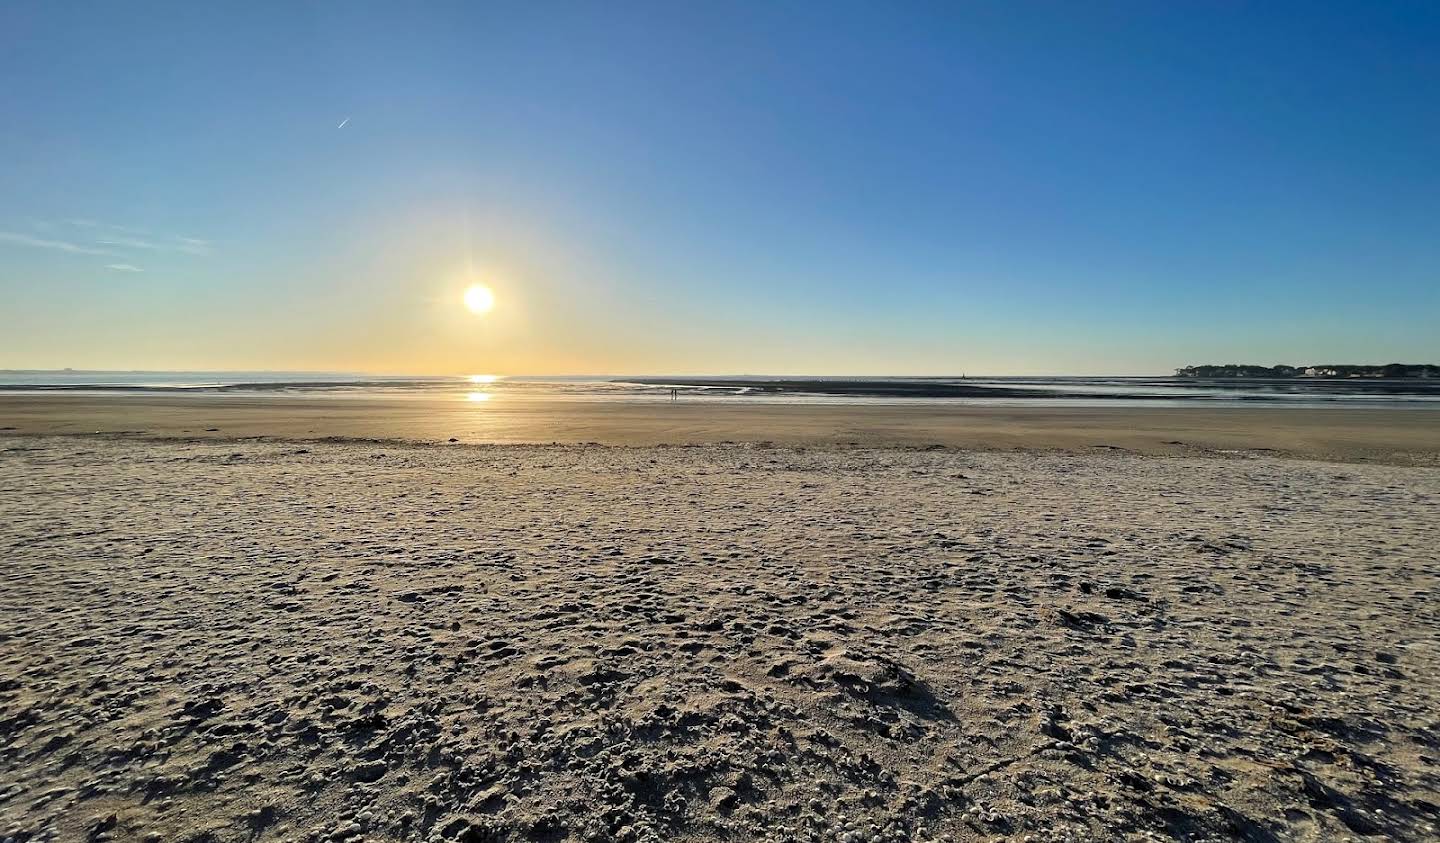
237, 641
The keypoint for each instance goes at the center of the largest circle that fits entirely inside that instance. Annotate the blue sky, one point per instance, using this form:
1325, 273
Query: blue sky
725, 188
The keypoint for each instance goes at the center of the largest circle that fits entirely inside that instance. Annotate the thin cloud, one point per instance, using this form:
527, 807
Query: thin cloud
193, 245
132, 242
109, 239
55, 245
84, 223
123, 267
188, 245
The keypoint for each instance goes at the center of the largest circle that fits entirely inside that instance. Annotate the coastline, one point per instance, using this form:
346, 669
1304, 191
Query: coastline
1399, 435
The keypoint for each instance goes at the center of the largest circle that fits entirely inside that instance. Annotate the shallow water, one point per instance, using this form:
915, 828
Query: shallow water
1068, 391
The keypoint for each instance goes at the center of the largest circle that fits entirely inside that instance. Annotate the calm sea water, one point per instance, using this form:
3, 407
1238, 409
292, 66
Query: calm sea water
790, 389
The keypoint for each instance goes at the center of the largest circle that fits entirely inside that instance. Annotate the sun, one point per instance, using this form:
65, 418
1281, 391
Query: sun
479, 299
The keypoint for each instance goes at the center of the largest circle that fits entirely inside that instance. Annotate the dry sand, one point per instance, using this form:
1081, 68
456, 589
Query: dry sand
235, 641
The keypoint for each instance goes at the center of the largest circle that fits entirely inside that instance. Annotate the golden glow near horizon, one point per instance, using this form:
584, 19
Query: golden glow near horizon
480, 395
479, 299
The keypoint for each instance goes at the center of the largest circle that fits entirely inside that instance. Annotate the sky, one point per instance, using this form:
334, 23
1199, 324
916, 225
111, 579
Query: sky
722, 188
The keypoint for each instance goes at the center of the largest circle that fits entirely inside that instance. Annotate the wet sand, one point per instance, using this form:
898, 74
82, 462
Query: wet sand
1402, 436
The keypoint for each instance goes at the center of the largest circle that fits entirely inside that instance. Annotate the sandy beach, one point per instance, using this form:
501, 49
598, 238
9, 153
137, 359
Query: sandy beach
1065, 630
1397, 435
719, 422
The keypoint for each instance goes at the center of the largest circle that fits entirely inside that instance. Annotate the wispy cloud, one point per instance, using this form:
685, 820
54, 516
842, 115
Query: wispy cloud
56, 245
195, 243
84, 223
131, 242
91, 237
188, 245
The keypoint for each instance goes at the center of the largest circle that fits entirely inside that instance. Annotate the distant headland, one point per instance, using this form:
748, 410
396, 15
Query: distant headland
1245, 370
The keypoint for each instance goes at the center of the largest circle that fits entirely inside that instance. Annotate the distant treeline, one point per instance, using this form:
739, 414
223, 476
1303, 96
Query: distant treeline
1244, 370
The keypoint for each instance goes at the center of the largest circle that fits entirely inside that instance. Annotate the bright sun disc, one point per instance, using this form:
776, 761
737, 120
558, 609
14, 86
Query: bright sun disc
479, 299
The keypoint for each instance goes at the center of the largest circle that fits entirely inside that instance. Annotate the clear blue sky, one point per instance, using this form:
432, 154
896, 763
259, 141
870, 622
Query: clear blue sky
731, 187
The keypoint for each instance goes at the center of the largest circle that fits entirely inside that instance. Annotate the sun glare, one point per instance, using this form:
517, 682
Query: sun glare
484, 378
479, 299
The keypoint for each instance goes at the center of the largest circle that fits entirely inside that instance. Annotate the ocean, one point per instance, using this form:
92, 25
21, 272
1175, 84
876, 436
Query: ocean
1002, 390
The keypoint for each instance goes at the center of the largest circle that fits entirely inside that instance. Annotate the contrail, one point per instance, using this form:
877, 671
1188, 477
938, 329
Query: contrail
342, 123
